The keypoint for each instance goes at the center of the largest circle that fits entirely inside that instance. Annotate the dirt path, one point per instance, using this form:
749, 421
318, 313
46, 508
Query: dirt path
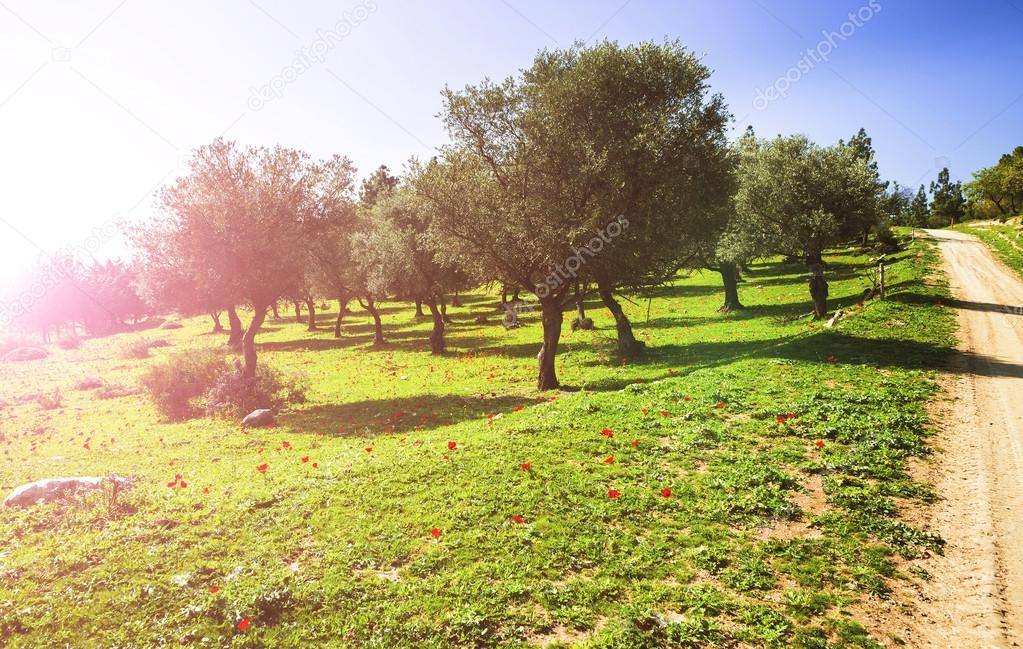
975, 598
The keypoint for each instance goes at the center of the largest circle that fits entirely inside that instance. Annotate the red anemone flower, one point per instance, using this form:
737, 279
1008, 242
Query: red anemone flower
613, 493
518, 519
452, 445
262, 467
666, 492
244, 624
609, 459
435, 532
607, 432
526, 466
819, 443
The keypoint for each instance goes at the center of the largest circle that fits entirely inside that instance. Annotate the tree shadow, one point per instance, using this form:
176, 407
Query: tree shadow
399, 416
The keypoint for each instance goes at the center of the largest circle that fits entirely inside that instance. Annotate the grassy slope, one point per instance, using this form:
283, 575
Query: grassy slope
1005, 239
766, 538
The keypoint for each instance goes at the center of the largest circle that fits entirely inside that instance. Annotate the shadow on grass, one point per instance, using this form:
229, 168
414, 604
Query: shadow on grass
398, 416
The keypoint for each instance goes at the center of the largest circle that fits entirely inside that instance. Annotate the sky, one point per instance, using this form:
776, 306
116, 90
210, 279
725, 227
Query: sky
101, 101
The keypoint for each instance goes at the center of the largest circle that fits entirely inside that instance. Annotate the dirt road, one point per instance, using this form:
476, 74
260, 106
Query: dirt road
975, 598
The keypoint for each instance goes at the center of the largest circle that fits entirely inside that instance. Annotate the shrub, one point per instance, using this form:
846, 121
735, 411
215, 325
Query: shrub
886, 238
140, 348
234, 394
178, 386
51, 401
70, 342
89, 383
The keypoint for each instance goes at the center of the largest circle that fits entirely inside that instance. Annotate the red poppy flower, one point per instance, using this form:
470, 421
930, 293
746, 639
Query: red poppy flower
666, 492
665, 413
369, 449
214, 590
687, 398
262, 467
613, 493
286, 444
305, 458
435, 532
518, 519
526, 466
205, 490
634, 442
183, 484
172, 484
316, 465
791, 415
244, 624
719, 404
645, 410
452, 445
607, 432
609, 459
819, 443
517, 408
781, 419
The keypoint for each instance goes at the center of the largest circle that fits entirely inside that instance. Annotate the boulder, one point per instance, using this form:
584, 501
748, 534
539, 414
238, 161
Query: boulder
26, 354
171, 324
259, 418
582, 323
44, 491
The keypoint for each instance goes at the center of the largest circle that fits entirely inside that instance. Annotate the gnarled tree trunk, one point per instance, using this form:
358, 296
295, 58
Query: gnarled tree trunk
217, 327
730, 278
342, 309
818, 288
310, 305
437, 335
419, 308
553, 318
627, 343
235, 339
249, 340
378, 328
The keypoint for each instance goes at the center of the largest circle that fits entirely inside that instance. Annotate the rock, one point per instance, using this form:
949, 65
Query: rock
259, 418
44, 491
26, 354
582, 323
171, 324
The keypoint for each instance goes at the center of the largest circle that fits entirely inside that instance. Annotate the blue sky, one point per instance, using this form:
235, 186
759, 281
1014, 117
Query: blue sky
101, 100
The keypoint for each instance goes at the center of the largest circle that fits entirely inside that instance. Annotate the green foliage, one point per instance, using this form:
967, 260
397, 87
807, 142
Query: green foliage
948, 204
234, 394
1000, 186
178, 385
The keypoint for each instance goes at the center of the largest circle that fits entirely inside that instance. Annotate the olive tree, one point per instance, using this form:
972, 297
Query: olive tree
597, 163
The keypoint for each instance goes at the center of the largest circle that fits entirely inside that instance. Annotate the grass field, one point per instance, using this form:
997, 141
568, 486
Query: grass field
395, 509
1005, 239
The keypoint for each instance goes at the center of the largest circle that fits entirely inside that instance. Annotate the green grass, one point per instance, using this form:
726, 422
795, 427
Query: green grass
766, 540
1005, 239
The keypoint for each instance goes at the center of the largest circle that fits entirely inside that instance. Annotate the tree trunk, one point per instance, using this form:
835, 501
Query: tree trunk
249, 340
342, 308
444, 310
310, 305
235, 339
730, 278
456, 301
277, 315
298, 312
437, 336
579, 306
378, 328
547, 376
627, 343
419, 308
217, 327
818, 289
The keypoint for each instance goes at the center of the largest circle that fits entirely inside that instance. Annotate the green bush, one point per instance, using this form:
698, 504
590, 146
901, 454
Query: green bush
236, 395
178, 386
